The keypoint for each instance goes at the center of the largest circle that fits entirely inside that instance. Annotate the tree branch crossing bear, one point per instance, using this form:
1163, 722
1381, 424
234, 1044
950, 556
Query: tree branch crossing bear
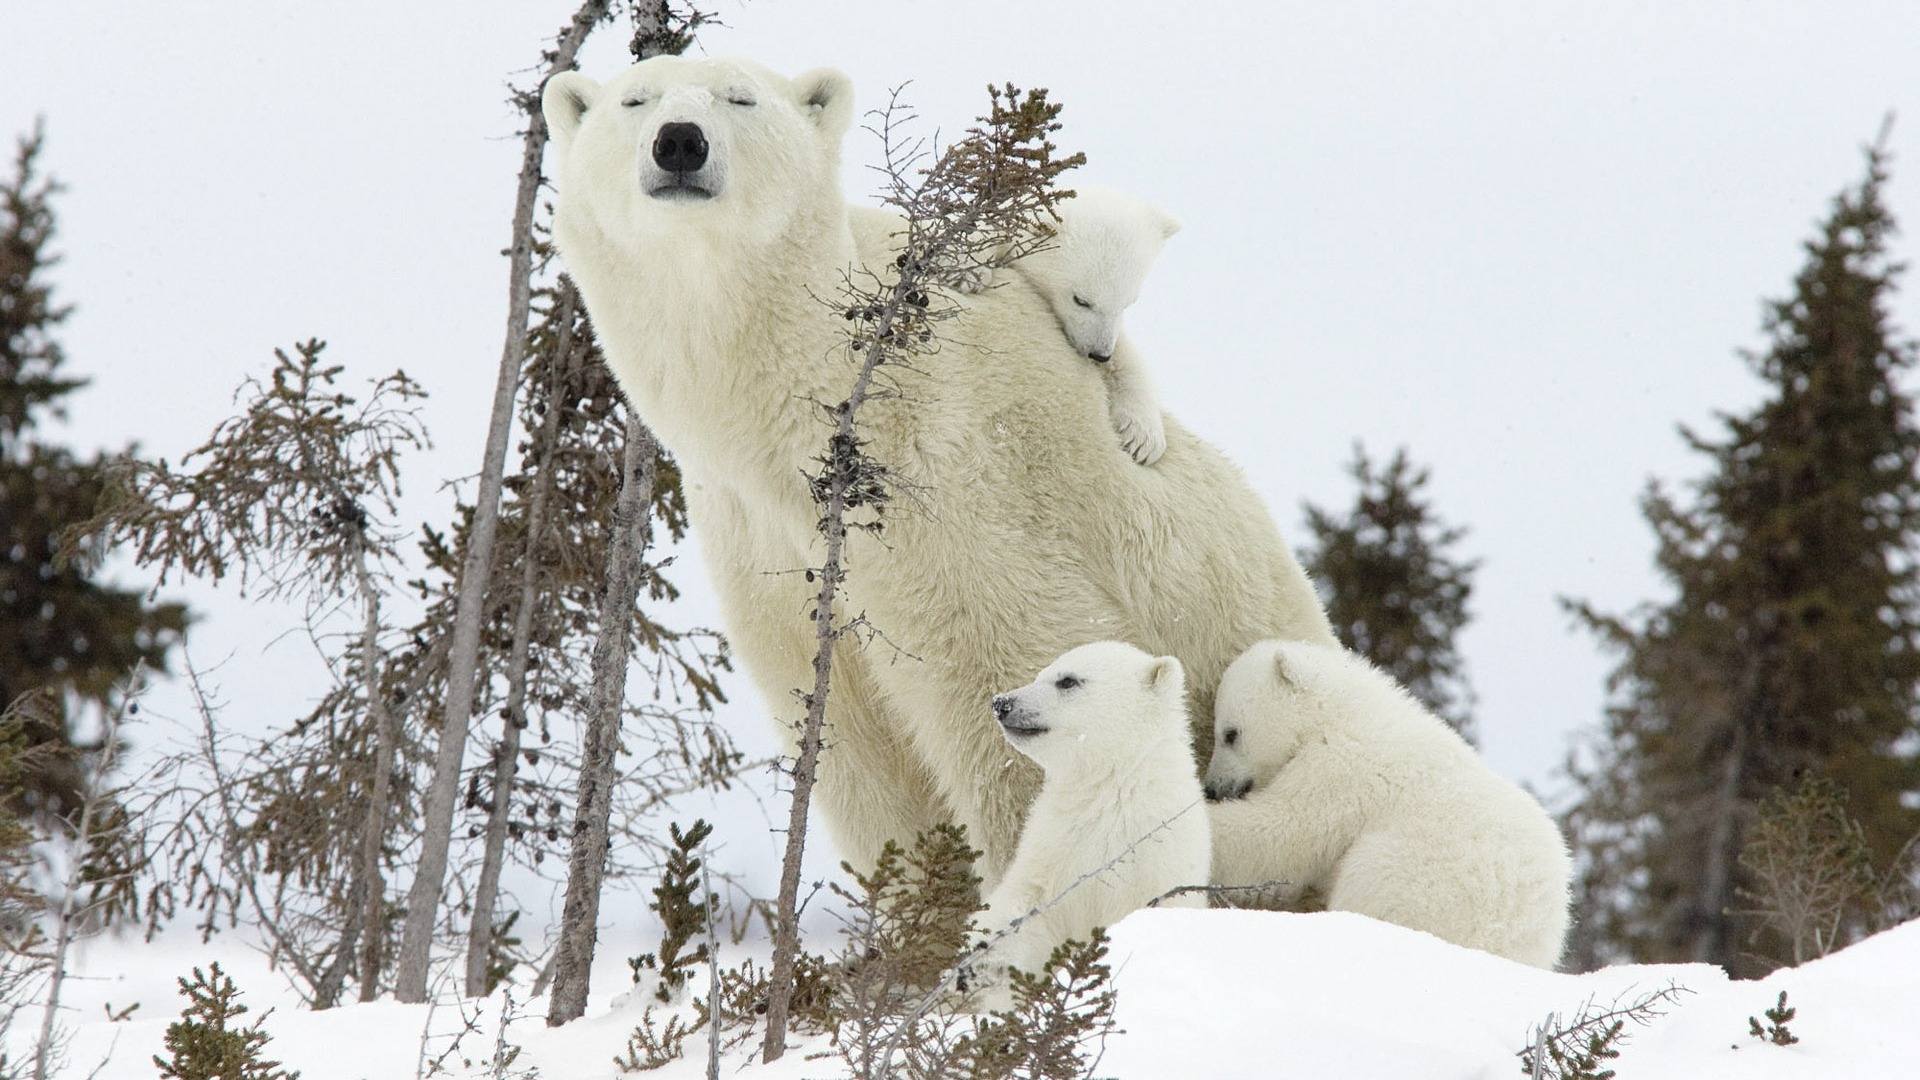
699, 211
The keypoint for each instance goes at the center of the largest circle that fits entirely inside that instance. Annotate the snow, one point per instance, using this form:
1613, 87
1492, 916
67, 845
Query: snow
1216, 994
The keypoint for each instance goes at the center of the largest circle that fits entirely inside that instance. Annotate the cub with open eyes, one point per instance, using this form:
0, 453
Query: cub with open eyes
1327, 775
1120, 806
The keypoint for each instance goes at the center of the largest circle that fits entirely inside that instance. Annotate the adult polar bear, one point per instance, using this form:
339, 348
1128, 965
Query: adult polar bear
700, 213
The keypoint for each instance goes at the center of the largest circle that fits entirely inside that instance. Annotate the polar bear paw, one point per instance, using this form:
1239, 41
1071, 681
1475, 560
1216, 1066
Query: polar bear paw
1142, 433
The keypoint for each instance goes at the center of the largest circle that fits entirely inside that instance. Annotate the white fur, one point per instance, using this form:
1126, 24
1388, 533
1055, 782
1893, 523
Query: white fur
1121, 800
1026, 530
1090, 273
1359, 792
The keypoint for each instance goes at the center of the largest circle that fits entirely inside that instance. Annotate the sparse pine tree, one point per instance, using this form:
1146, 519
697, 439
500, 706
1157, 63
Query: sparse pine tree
295, 495
207, 1043
60, 629
1775, 1030
1060, 1018
647, 493
1578, 1048
683, 914
1814, 884
1791, 645
1395, 591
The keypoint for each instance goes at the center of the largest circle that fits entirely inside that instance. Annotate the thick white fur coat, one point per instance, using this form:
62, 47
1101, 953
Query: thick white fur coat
1120, 818
1026, 531
1360, 793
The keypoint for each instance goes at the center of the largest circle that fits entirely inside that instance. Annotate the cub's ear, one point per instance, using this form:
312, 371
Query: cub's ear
825, 96
564, 103
1280, 668
1166, 676
1168, 224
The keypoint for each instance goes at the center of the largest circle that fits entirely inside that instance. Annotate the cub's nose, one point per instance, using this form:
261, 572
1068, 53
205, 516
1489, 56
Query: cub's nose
1002, 705
680, 147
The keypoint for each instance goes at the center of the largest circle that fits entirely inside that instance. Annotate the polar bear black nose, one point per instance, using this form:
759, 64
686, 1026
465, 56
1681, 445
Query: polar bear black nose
1002, 705
680, 147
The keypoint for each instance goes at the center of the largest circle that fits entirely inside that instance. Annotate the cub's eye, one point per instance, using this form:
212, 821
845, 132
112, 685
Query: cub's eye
1066, 682
635, 101
1232, 736
1079, 301
743, 100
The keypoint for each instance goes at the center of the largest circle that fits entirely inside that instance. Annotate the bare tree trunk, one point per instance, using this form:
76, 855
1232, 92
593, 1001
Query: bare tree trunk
45, 1060
513, 716
359, 943
423, 899
842, 473
373, 835
632, 531
1710, 943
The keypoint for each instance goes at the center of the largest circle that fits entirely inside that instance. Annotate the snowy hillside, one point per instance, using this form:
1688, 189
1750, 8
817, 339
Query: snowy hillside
1220, 995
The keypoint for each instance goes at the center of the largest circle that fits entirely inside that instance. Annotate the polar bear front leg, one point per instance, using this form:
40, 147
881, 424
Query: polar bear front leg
1133, 405
1262, 854
872, 788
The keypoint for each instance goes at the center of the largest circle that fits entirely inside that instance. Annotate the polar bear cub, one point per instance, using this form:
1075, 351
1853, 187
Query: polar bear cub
1120, 818
1090, 273
1327, 775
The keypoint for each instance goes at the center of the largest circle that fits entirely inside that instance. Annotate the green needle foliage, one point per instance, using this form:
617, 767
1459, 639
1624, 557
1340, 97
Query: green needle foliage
206, 1043
683, 914
1791, 643
1058, 1022
1814, 884
61, 630
1580, 1048
1775, 1030
1395, 592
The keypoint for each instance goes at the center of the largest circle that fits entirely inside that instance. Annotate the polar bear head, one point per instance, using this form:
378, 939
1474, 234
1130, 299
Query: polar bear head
1268, 698
677, 148
1099, 704
1104, 244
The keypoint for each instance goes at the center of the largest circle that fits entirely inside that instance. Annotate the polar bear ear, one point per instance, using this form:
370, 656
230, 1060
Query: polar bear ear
1280, 668
1166, 676
1167, 222
825, 96
564, 103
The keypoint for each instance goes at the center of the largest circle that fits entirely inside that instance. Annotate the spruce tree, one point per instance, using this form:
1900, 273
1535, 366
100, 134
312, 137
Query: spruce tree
1394, 590
207, 1043
1789, 646
61, 630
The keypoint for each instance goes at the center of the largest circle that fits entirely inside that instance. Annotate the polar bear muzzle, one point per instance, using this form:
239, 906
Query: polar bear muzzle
1222, 790
680, 155
1016, 720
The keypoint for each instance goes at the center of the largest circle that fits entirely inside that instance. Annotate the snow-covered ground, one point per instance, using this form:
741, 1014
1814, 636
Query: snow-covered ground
1208, 995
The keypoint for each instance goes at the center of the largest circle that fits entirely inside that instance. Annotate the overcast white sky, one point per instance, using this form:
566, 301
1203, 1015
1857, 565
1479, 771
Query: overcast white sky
1524, 239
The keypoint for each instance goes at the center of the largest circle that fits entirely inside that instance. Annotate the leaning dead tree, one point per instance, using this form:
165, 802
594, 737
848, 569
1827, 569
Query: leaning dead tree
658, 30
423, 899
984, 201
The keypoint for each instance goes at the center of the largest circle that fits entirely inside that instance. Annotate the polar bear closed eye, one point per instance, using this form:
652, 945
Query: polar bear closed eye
1327, 775
704, 275
1120, 818
1090, 273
